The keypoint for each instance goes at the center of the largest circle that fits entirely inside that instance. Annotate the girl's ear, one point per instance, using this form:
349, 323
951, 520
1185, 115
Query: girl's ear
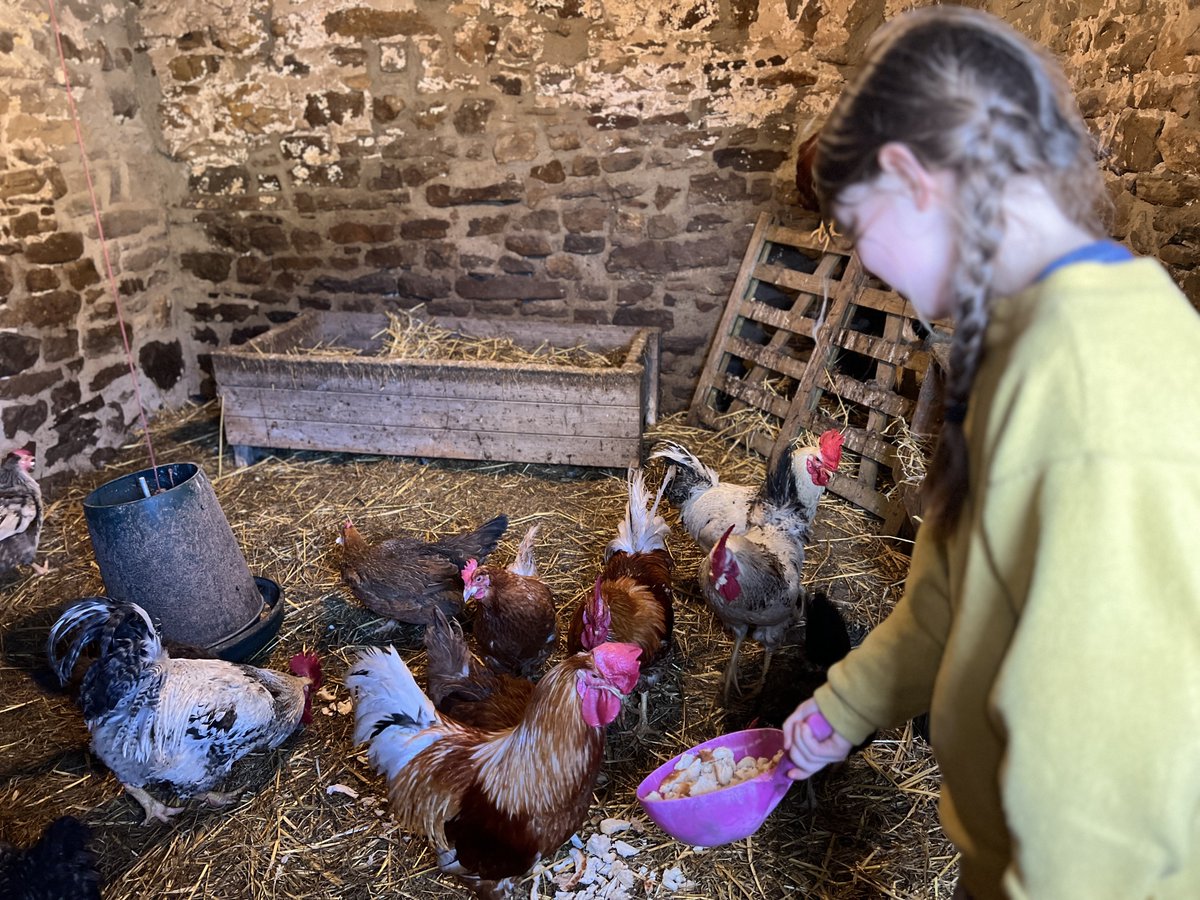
898, 160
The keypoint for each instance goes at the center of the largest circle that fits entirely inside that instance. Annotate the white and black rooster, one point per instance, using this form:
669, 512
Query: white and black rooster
707, 505
179, 723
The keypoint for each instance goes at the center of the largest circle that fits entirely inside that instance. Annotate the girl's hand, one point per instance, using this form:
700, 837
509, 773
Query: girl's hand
810, 750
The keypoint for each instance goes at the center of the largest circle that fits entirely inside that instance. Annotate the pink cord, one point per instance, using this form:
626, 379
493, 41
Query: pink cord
112, 282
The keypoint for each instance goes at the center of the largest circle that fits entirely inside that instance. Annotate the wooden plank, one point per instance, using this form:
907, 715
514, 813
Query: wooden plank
886, 401
814, 283
402, 411
443, 443
907, 355
741, 288
776, 318
802, 240
464, 381
754, 396
763, 355
862, 496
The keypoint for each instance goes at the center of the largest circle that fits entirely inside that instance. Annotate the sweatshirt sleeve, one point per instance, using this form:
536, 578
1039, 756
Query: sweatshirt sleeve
888, 678
1100, 691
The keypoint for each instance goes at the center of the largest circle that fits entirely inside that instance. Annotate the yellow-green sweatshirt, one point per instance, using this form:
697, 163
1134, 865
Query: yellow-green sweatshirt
1054, 635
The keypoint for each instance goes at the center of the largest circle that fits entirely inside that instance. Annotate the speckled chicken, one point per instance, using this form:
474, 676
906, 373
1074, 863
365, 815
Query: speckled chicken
514, 622
180, 723
405, 578
466, 689
59, 866
21, 513
707, 505
752, 580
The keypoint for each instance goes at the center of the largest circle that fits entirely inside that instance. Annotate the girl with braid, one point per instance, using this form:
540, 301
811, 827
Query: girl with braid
1051, 619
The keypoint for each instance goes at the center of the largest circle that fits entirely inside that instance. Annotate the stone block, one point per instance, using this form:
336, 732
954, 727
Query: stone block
472, 115
36, 280
361, 233
584, 245
24, 418
209, 266
519, 145
528, 245
551, 173
363, 23
252, 270
422, 287
508, 287
424, 229
61, 247
1179, 145
375, 283
486, 225
743, 159
443, 195
647, 257
322, 109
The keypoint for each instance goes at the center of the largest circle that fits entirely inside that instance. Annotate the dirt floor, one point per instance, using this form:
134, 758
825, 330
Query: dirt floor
312, 820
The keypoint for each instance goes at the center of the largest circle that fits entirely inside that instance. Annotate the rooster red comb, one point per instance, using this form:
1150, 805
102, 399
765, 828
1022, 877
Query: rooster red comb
619, 664
306, 665
597, 619
831, 448
468, 571
22, 452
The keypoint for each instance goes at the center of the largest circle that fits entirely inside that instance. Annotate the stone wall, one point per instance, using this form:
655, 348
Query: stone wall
569, 160
65, 385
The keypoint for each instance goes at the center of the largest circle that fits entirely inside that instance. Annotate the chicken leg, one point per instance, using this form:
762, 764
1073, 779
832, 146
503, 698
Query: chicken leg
731, 670
154, 810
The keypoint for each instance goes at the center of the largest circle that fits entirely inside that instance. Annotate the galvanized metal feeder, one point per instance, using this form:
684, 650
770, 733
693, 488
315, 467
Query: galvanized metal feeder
162, 541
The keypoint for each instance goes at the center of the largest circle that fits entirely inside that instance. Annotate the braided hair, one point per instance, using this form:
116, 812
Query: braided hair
969, 95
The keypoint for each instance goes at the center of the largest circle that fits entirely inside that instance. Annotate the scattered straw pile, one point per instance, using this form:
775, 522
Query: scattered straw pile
312, 821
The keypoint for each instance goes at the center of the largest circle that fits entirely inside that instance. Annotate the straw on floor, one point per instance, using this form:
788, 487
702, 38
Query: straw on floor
312, 821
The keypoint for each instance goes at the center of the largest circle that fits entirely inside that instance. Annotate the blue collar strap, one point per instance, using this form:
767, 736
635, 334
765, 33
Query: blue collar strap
1103, 251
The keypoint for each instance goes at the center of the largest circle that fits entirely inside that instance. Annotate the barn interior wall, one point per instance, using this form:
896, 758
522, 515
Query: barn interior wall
561, 160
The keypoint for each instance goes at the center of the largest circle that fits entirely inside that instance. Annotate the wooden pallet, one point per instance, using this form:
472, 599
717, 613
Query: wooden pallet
859, 367
764, 341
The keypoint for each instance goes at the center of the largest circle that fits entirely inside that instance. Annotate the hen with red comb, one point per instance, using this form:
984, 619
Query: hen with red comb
21, 513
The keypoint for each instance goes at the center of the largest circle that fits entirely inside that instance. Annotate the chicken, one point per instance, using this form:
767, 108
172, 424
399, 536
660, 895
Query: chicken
707, 505
465, 689
514, 620
806, 157
632, 601
21, 513
181, 723
404, 577
60, 866
492, 803
752, 580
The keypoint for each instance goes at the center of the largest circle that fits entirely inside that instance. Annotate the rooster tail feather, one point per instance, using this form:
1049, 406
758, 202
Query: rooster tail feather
692, 476
780, 487
642, 530
98, 618
475, 544
391, 713
525, 563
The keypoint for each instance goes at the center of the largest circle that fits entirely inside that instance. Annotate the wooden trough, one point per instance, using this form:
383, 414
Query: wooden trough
274, 395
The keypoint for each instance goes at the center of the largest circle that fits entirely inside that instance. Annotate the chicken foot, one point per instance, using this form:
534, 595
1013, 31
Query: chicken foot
220, 799
155, 811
